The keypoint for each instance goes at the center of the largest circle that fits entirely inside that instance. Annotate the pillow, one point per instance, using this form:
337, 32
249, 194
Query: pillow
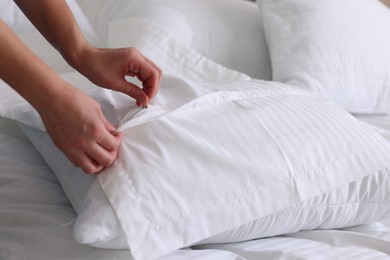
46, 52
229, 31
162, 188
211, 152
332, 47
14, 18
361, 202
343, 207
19, 23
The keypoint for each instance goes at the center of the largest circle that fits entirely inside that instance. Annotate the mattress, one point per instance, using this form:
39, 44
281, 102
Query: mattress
36, 218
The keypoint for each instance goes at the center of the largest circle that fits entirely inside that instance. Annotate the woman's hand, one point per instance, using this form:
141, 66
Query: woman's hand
79, 129
73, 120
108, 68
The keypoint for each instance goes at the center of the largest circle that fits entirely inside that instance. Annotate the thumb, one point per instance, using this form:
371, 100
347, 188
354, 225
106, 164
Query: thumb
109, 127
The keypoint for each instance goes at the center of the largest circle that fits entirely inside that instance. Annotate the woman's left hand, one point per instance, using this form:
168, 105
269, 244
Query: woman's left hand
108, 68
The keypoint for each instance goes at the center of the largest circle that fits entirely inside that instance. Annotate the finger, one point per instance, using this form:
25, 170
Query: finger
150, 78
85, 162
101, 156
92, 166
110, 128
151, 86
110, 141
133, 91
159, 70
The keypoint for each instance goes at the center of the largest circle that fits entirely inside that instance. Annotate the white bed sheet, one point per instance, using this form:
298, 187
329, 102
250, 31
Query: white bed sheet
36, 219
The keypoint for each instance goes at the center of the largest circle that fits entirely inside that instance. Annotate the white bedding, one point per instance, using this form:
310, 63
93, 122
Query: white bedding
36, 219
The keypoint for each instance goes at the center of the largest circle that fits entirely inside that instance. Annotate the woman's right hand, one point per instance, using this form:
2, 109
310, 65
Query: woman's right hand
79, 129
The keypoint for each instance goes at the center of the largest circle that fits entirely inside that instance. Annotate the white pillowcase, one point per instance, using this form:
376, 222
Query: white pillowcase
11, 104
338, 48
228, 31
211, 152
189, 172
18, 22
14, 18
360, 202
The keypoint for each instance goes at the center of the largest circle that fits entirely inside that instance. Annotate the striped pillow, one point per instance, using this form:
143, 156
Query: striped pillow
235, 161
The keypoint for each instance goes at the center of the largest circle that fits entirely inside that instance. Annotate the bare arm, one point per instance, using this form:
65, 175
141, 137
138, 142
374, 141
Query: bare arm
73, 120
386, 2
25, 72
105, 67
56, 23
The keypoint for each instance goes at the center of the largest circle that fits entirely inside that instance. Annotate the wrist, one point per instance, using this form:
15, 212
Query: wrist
75, 55
87, 61
53, 93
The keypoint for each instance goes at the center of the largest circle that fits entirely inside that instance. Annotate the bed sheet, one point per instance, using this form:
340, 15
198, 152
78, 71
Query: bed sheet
36, 219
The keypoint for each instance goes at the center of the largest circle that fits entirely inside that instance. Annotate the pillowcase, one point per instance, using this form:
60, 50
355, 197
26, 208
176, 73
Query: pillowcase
163, 191
229, 31
211, 152
337, 48
12, 105
19, 23
14, 18
360, 202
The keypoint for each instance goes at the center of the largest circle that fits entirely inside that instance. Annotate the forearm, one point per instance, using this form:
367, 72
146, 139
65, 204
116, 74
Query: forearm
106, 68
25, 72
55, 21
386, 2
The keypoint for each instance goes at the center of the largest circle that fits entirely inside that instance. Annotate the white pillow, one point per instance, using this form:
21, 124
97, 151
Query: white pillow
228, 31
11, 104
360, 202
14, 18
183, 168
46, 52
212, 141
19, 23
338, 48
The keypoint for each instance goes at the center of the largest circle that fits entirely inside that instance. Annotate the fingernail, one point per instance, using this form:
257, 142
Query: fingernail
143, 106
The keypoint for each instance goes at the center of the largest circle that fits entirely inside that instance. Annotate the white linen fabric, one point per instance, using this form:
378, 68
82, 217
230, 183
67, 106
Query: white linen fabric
181, 170
360, 202
228, 32
338, 48
35, 215
37, 220
210, 125
14, 18
46, 52
18, 22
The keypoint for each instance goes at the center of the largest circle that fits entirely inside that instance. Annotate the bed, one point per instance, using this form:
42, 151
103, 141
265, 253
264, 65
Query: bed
212, 79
